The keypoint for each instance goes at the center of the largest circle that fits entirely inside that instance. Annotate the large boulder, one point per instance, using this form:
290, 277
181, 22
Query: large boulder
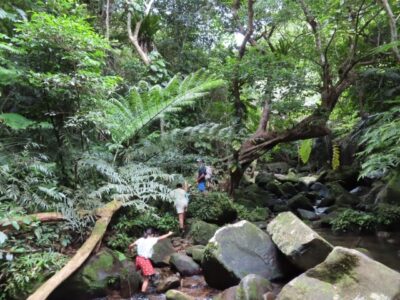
162, 252
238, 250
303, 246
252, 287
228, 294
94, 277
184, 264
201, 232
346, 274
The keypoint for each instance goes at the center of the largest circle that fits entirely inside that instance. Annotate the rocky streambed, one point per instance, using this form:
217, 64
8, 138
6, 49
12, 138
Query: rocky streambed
286, 260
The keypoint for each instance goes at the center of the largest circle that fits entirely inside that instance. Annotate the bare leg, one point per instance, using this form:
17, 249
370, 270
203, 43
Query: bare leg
145, 284
181, 220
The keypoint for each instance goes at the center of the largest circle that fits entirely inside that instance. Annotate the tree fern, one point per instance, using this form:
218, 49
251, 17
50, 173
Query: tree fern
125, 117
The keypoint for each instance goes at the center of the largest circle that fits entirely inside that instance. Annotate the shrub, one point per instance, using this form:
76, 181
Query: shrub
354, 220
387, 215
24, 274
213, 207
252, 215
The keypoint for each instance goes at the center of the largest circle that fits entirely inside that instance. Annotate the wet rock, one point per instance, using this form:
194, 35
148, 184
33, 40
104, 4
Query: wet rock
280, 207
196, 252
130, 279
162, 252
177, 295
324, 202
237, 250
252, 287
321, 189
94, 277
303, 246
345, 274
307, 215
300, 201
185, 265
201, 232
347, 176
167, 283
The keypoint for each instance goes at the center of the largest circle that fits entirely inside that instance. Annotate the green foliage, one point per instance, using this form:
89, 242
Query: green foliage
124, 117
17, 121
251, 214
335, 157
353, 220
213, 207
25, 272
387, 215
381, 153
305, 150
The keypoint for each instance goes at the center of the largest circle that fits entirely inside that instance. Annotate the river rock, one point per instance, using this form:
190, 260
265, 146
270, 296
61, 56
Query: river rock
346, 274
254, 196
177, 295
170, 282
162, 252
303, 246
201, 232
238, 250
307, 215
300, 201
274, 188
252, 287
93, 278
184, 264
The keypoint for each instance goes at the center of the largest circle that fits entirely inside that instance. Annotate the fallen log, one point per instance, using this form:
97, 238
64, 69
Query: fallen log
42, 217
105, 213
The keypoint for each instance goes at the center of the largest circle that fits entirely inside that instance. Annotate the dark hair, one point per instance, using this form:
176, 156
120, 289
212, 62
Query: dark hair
179, 185
148, 232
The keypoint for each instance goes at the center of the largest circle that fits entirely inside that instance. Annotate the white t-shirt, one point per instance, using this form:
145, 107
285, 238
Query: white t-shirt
145, 246
179, 197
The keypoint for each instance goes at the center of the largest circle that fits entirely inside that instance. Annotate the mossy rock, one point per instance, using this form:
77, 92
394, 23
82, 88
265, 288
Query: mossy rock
96, 276
252, 287
253, 196
213, 207
391, 191
345, 274
201, 232
341, 196
275, 188
177, 295
288, 189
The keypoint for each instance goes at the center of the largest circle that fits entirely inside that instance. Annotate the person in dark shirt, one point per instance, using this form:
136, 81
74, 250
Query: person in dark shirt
201, 176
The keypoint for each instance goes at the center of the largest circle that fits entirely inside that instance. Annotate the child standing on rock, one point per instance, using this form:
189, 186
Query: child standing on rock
144, 252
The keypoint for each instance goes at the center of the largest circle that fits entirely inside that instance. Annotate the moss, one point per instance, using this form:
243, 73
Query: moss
208, 251
338, 269
104, 262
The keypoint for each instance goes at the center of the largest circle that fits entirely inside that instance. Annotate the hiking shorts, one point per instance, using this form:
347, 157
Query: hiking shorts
144, 264
201, 186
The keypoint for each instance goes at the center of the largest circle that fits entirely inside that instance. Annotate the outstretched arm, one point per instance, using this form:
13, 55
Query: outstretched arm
132, 245
165, 236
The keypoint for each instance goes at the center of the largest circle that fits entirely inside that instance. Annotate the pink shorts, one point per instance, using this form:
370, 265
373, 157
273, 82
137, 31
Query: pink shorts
144, 264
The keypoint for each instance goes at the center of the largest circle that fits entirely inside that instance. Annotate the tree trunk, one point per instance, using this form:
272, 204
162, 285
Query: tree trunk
393, 27
105, 213
42, 217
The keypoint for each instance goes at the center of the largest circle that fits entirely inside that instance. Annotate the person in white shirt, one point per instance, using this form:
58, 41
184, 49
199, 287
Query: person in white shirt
144, 252
181, 201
